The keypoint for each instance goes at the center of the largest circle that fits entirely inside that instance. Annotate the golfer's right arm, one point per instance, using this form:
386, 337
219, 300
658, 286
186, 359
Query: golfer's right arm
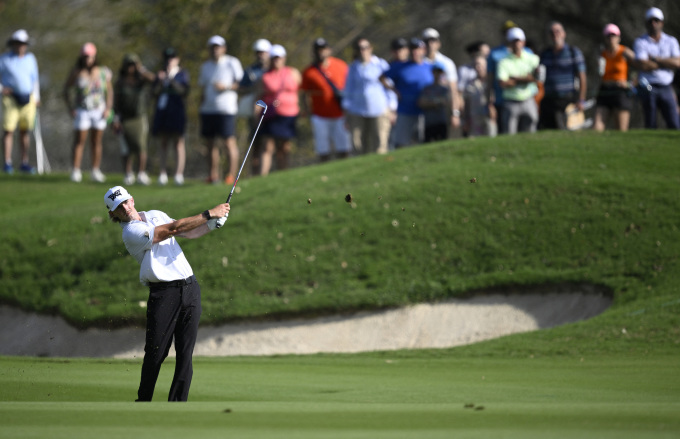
183, 227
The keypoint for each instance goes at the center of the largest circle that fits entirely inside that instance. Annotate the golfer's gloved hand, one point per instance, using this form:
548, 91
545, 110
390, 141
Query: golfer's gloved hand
216, 223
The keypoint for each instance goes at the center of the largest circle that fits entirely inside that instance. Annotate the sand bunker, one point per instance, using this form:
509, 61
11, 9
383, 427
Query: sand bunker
440, 325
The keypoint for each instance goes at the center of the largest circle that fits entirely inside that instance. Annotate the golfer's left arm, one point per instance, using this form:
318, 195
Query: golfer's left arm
190, 227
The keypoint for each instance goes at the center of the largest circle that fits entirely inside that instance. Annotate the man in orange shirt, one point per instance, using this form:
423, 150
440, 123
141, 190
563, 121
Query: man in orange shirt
322, 85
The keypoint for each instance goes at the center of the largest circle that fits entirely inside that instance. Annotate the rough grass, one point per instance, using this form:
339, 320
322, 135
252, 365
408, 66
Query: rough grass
551, 208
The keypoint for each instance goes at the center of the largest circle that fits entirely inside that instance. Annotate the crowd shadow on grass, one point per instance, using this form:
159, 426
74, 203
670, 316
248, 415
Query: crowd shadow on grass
483, 315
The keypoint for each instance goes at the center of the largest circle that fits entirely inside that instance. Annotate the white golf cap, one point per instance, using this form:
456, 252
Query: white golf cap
277, 50
654, 13
430, 33
115, 196
262, 45
216, 40
515, 33
20, 36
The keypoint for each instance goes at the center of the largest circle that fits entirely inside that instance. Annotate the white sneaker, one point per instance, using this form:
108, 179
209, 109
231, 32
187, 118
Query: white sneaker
163, 179
76, 176
98, 176
129, 179
179, 179
144, 178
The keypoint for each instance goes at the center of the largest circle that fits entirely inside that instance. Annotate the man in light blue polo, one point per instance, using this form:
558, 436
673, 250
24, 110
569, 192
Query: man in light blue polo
20, 97
517, 77
657, 55
365, 100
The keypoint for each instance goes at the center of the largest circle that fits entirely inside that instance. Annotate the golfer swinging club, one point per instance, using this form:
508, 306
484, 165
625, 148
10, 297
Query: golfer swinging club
174, 305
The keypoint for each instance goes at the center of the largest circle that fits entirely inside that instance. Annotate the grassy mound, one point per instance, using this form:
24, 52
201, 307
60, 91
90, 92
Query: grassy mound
423, 224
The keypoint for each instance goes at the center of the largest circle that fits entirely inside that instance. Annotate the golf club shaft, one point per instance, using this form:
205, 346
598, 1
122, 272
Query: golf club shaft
264, 110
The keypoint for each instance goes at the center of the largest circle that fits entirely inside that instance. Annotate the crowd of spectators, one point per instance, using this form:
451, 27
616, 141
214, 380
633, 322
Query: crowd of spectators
371, 105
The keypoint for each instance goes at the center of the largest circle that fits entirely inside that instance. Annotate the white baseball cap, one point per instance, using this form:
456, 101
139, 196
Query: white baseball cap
654, 13
515, 33
430, 33
277, 50
115, 196
262, 45
216, 40
20, 36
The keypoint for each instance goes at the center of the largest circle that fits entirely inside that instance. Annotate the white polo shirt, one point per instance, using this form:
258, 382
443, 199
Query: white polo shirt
160, 262
666, 47
447, 63
227, 70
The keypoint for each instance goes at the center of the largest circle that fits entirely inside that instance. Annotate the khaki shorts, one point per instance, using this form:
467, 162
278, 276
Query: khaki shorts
136, 133
14, 116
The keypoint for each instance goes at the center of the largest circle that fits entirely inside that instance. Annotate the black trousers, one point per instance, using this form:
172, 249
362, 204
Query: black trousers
551, 114
173, 310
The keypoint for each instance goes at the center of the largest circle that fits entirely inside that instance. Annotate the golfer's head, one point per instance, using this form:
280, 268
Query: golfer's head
114, 197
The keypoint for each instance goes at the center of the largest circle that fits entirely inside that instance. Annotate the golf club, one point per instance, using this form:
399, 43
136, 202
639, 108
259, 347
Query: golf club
41, 156
264, 110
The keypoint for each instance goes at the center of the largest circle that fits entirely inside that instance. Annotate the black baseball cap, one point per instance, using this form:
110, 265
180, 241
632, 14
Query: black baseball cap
415, 43
399, 43
169, 52
320, 42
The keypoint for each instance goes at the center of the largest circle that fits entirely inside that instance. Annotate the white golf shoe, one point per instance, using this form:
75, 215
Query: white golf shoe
143, 178
163, 179
129, 179
76, 176
98, 176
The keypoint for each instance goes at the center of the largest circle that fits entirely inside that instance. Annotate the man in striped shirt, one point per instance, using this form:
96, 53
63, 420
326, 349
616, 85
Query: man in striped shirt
565, 79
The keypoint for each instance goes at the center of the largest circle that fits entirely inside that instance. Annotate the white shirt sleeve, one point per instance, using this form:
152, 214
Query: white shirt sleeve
640, 49
237, 68
138, 238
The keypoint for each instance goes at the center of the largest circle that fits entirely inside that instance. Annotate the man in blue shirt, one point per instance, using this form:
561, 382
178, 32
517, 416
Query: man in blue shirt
20, 97
657, 55
565, 79
409, 78
494, 90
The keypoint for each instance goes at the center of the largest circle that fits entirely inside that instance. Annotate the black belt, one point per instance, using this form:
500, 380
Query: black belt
173, 283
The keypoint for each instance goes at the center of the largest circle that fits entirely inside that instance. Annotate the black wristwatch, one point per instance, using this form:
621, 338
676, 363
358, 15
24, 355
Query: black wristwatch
206, 215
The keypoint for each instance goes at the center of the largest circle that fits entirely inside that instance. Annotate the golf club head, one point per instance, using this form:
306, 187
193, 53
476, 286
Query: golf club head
261, 104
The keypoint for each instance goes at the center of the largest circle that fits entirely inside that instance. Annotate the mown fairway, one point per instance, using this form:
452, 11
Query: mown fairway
548, 209
409, 395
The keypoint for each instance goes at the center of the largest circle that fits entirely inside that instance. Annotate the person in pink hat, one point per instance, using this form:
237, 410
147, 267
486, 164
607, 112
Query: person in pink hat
88, 93
614, 97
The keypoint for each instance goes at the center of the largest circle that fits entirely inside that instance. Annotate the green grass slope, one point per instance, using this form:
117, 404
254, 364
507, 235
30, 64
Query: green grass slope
545, 209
